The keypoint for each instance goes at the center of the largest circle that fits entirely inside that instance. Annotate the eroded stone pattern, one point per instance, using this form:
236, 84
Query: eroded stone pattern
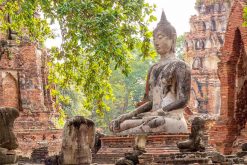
78, 140
8, 140
202, 46
7, 137
195, 142
23, 80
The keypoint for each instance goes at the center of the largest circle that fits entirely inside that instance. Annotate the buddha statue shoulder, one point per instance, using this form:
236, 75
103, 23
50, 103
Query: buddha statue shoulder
167, 91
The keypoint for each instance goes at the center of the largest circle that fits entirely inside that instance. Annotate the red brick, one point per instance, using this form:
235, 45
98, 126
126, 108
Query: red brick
22, 85
233, 117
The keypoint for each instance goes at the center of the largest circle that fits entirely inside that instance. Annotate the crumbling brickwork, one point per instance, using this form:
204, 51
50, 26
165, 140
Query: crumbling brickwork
23, 80
203, 44
230, 130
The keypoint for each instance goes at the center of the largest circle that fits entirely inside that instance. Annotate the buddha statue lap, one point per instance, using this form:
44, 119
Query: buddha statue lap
167, 91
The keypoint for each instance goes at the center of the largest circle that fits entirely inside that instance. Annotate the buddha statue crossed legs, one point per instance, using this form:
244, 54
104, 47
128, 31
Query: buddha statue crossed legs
167, 91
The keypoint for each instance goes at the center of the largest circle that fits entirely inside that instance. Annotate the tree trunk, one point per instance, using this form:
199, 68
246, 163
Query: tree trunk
126, 100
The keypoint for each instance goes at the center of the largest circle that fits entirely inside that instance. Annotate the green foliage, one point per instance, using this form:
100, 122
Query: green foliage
127, 91
73, 105
95, 34
59, 121
22, 17
180, 47
245, 17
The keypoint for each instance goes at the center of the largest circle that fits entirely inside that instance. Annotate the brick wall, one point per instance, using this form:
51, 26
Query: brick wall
23, 77
229, 131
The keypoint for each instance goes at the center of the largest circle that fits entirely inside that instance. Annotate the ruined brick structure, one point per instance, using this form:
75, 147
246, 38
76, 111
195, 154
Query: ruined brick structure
203, 44
23, 80
230, 130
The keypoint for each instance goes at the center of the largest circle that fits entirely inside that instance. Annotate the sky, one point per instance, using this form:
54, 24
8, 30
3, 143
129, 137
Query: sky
178, 13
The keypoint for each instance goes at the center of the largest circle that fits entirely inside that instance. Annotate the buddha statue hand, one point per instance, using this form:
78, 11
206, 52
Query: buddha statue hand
159, 112
114, 125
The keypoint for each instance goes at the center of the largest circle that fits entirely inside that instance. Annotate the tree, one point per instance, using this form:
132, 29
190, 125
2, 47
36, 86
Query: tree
127, 90
245, 17
180, 47
95, 34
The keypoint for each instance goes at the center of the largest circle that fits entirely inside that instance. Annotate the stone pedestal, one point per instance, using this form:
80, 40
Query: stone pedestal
34, 139
114, 147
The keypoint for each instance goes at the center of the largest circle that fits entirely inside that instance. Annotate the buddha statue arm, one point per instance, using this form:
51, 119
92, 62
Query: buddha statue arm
115, 124
183, 80
141, 109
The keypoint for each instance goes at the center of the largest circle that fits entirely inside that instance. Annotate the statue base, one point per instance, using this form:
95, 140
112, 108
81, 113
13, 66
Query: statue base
7, 156
114, 147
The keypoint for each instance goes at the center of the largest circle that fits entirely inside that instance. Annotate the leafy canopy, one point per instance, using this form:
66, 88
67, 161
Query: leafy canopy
180, 47
95, 34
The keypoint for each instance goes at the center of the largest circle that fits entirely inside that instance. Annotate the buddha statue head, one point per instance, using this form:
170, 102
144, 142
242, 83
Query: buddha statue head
164, 36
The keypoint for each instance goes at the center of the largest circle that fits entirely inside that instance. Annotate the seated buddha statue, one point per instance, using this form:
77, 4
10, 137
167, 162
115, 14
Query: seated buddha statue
167, 91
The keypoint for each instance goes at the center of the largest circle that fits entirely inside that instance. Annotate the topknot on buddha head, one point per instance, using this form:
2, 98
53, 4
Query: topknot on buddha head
166, 28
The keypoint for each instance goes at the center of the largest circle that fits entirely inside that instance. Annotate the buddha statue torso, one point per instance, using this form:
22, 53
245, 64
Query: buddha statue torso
162, 84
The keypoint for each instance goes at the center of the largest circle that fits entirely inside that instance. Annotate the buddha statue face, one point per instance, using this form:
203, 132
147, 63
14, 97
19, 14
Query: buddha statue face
162, 43
164, 37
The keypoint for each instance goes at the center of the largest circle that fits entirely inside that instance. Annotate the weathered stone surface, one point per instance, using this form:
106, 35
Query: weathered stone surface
78, 140
216, 157
242, 154
124, 161
195, 142
39, 154
130, 158
176, 158
189, 158
138, 149
97, 142
167, 93
202, 45
8, 141
7, 137
53, 160
7, 158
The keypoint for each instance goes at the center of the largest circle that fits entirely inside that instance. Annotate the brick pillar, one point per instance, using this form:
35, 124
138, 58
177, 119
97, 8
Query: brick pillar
225, 131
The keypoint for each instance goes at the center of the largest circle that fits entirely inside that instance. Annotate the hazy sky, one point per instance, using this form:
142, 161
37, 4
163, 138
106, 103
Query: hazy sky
178, 13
